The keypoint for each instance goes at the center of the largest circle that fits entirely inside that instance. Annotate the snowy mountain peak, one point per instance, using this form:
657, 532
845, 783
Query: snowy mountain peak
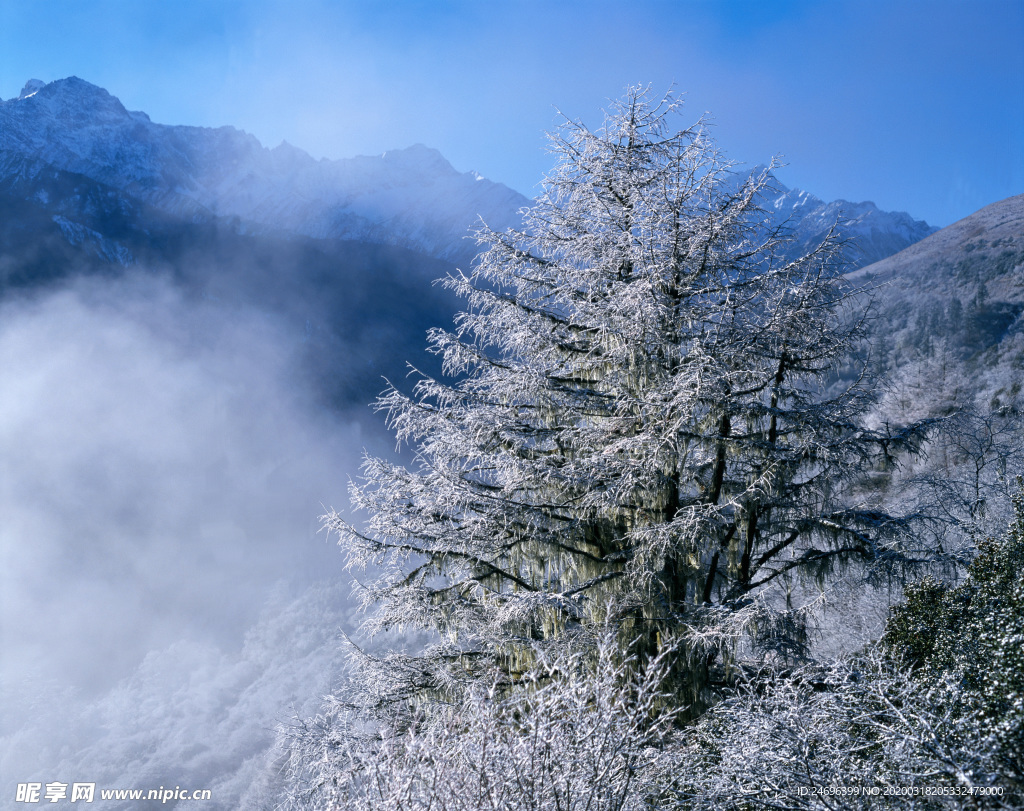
32, 86
73, 102
873, 234
69, 91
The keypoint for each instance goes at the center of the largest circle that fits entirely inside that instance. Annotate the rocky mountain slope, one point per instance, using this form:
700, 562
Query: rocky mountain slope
948, 340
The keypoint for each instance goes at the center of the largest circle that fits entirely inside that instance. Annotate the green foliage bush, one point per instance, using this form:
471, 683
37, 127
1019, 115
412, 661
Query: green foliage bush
972, 635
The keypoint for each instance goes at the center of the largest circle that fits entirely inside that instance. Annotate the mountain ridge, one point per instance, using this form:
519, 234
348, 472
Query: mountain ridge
873, 234
412, 198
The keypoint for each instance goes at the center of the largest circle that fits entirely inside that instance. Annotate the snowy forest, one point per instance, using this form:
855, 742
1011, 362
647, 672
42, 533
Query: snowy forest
663, 475
679, 489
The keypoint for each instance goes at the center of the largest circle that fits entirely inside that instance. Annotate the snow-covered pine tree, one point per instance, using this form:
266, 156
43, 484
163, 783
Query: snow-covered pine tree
634, 427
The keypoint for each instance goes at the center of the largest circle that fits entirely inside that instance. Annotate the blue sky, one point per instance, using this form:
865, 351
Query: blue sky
917, 105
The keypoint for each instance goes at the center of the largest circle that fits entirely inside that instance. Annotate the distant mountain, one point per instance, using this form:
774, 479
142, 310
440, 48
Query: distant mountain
872, 234
58, 139
412, 197
985, 248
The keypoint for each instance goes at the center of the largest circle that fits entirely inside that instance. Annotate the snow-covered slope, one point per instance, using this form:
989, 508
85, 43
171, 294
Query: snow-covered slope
410, 197
986, 246
957, 298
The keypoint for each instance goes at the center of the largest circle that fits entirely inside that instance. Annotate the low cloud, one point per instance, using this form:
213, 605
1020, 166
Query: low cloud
164, 466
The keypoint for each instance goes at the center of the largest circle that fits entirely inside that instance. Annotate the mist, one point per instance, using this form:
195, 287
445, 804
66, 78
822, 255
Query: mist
167, 595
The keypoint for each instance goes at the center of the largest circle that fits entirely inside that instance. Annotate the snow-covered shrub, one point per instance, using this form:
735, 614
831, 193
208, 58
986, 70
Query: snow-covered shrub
574, 737
859, 733
931, 717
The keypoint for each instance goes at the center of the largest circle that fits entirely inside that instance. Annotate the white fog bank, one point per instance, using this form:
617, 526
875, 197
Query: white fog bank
166, 595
